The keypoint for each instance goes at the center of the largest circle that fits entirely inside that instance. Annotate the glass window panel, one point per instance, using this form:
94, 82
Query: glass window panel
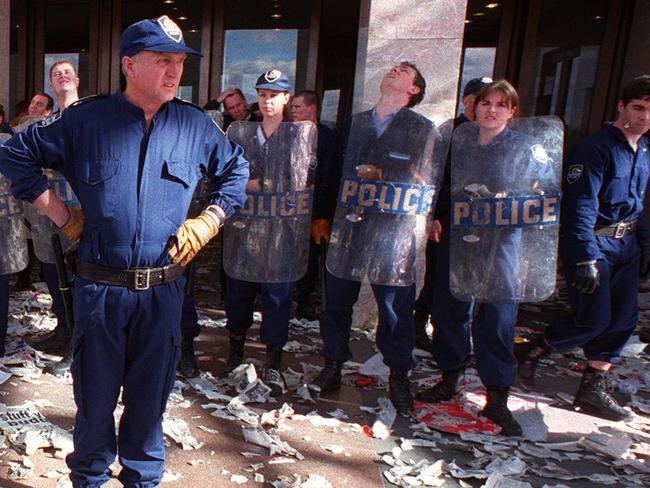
67, 40
260, 35
566, 61
330, 108
250, 52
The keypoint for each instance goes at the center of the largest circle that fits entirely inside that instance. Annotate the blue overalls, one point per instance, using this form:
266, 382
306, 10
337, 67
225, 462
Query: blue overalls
135, 186
604, 183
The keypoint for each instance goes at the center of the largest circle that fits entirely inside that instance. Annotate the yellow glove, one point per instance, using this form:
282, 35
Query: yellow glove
75, 224
320, 228
193, 235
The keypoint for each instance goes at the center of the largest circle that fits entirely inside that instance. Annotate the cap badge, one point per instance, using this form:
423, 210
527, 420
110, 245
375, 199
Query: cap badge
170, 28
272, 75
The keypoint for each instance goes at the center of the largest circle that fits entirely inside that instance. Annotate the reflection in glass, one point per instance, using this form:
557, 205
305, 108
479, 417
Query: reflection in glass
477, 63
250, 52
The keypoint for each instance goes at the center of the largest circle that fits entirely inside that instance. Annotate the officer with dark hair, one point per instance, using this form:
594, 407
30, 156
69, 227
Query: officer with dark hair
133, 159
440, 224
603, 243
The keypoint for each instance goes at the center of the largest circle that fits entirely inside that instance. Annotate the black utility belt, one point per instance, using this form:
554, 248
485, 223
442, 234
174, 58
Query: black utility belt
616, 230
135, 279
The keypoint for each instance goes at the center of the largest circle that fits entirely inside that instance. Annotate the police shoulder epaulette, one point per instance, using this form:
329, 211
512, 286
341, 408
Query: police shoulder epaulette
87, 99
185, 102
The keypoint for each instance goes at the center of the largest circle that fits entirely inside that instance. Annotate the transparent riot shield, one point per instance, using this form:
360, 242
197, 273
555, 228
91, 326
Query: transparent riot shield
217, 117
267, 241
387, 191
506, 212
41, 226
13, 234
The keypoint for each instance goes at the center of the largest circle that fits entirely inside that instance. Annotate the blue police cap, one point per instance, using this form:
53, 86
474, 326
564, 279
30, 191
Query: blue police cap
161, 35
475, 85
273, 79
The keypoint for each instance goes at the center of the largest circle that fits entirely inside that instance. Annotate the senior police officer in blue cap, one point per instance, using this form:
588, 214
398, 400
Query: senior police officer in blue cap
133, 158
601, 236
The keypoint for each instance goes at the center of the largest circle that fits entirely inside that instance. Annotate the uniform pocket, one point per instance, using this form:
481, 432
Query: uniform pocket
618, 188
98, 183
178, 180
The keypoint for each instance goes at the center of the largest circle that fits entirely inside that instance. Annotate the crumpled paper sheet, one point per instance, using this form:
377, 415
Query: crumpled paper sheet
259, 437
179, 431
25, 426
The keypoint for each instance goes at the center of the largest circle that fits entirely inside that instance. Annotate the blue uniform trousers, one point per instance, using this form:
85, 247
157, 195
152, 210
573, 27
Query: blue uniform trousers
307, 283
189, 317
492, 330
276, 309
431, 257
52, 281
4, 309
395, 330
604, 320
127, 339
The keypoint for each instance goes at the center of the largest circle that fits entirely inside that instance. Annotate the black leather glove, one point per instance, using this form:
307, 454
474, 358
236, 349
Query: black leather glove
587, 278
644, 268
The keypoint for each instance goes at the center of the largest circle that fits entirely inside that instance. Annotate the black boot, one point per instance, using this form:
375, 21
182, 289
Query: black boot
60, 368
329, 379
399, 391
528, 355
58, 342
594, 397
187, 366
420, 320
272, 376
444, 389
497, 411
235, 351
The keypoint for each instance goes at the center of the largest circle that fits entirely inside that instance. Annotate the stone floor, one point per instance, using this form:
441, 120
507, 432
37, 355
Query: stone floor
336, 444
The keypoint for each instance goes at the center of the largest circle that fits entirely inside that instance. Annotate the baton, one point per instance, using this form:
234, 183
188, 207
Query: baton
64, 284
322, 257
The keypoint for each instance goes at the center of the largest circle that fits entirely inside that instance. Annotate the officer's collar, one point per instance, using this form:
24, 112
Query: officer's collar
618, 134
134, 110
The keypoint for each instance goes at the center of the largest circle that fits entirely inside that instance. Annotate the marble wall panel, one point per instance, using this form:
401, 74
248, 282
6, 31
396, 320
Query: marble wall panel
408, 19
426, 32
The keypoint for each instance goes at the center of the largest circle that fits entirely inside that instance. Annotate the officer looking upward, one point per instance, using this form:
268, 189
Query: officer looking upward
65, 83
384, 152
602, 244
133, 158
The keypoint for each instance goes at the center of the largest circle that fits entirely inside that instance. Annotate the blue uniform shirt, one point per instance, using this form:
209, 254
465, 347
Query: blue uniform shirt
134, 184
604, 182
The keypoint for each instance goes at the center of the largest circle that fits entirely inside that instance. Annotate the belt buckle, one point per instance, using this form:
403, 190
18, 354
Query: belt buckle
620, 230
142, 277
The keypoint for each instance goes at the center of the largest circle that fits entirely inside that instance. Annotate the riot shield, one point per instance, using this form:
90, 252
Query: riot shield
13, 234
217, 117
387, 191
42, 227
267, 241
505, 212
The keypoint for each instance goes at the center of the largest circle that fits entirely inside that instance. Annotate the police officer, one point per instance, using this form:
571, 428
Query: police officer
381, 149
305, 105
265, 250
501, 159
65, 83
133, 159
421, 310
600, 241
